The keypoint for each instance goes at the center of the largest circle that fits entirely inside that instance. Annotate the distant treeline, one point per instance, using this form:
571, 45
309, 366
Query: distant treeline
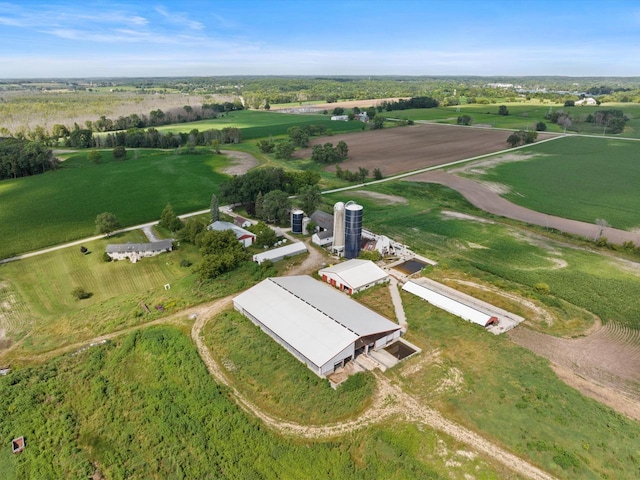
133, 121
21, 158
415, 102
152, 138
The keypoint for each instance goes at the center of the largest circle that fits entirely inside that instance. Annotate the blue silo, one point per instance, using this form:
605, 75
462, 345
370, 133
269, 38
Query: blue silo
296, 221
353, 229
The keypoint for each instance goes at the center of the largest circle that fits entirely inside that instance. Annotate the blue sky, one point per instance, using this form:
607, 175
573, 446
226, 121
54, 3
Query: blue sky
350, 37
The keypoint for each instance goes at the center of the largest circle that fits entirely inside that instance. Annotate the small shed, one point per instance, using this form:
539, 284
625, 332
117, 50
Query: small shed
242, 222
18, 444
279, 253
322, 238
354, 275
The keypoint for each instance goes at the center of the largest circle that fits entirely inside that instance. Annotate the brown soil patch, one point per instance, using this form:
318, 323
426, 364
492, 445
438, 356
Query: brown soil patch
604, 365
242, 162
405, 149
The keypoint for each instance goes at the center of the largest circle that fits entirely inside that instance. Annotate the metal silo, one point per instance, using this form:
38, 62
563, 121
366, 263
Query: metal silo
338, 228
296, 221
353, 229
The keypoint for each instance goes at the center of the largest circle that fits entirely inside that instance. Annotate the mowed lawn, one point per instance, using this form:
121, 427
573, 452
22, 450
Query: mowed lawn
578, 178
256, 124
61, 206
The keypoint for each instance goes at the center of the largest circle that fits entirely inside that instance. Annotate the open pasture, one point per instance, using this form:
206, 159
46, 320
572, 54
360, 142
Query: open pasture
405, 149
62, 205
260, 124
575, 177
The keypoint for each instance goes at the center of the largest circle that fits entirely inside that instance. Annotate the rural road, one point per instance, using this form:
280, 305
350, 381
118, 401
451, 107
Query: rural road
485, 199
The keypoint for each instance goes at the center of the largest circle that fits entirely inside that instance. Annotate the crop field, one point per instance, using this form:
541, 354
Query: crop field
524, 116
62, 205
579, 178
410, 148
260, 124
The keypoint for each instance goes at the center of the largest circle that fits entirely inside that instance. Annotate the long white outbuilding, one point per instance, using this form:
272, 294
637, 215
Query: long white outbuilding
320, 326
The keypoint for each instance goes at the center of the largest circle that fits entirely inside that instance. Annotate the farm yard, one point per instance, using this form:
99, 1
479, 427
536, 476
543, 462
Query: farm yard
405, 149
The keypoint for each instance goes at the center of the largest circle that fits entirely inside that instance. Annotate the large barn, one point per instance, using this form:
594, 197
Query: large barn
317, 324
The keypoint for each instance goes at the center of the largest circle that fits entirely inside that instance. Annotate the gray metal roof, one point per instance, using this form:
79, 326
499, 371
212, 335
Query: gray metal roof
140, 247
356, 273
322, 219
239, 232
314, 318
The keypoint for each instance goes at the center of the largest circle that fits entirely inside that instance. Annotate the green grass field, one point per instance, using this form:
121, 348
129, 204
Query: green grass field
260, 124
579, 178
257, 364
145, 406
61, 206
499, 254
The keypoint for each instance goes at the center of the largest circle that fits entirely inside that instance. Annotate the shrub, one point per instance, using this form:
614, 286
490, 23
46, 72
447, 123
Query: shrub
185, 263
106, 257
542, 287
84, 249
80, 293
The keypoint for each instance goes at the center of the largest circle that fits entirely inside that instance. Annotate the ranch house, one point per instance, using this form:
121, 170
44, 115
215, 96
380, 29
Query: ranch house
136, 251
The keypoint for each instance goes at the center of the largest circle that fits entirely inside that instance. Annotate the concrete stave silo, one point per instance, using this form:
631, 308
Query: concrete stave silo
338, 228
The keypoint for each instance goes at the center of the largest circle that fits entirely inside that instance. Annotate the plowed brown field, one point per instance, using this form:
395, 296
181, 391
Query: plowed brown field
403, 149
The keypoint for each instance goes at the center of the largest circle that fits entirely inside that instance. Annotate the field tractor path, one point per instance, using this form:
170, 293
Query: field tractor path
484, 198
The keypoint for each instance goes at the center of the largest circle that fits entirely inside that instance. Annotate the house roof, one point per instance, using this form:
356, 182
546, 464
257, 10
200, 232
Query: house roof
312, 317
239, 232
322, 219
139, 247
240, 221
324, 234
356, 273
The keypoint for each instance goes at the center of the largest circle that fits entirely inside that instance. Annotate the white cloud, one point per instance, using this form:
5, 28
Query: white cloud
179, 19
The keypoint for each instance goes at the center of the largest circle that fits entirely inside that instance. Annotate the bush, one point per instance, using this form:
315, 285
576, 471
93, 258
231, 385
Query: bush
185, 263
542, 287
80, 293
84, 249
106, 257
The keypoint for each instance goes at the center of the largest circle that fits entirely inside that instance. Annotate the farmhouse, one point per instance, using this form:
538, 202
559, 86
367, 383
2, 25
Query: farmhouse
586, 101
340, 118
136, 251
354, 275
316, 324
279, 253
245, 237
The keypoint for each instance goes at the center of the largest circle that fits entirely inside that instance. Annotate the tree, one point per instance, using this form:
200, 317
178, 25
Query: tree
298, 136
570, 103
276, 206
378, 123
221, 252
541, 126
377, 174
284, 150
309, 198
214, 208
266, 146
80, 293
521, 138
119, 153
169, 220
192, 228
106, 223
94, 156
503, 110
265, 235
342, 150
259, 206
338, 111
363, 173
464, 120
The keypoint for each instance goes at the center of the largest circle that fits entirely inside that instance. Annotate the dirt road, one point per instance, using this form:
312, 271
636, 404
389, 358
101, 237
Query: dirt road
484, 198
